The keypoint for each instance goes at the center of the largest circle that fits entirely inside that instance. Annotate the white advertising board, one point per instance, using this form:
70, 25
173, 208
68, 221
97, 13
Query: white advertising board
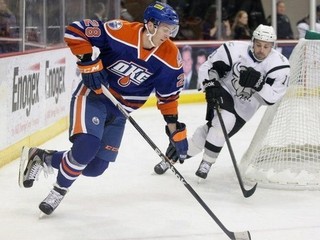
35, 92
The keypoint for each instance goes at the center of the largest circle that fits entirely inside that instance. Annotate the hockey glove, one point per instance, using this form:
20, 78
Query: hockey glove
178, 145
171, 153
251, 78
213, 91
93, 75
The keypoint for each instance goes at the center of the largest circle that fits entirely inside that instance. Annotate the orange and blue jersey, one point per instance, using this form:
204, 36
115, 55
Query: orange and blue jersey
133, 72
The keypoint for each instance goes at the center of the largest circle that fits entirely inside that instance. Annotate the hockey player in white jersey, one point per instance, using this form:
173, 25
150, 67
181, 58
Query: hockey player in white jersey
241, 76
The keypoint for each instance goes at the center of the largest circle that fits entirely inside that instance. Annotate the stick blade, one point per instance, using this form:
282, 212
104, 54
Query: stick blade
249, 193
242, 235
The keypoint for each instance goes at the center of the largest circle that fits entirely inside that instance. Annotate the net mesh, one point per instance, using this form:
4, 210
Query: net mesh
285, 150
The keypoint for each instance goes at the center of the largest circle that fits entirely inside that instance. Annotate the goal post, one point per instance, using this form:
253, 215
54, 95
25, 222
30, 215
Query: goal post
285, 150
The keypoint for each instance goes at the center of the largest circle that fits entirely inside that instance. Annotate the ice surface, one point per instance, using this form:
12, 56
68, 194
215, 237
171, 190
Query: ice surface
130, 202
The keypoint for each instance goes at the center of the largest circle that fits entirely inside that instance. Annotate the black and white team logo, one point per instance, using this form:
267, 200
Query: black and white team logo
243, 93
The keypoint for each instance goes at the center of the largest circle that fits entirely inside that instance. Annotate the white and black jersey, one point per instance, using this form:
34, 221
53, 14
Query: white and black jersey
227, 60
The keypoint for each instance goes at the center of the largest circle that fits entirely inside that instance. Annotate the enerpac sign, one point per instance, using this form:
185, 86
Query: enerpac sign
55, 79
35, 92
25, 88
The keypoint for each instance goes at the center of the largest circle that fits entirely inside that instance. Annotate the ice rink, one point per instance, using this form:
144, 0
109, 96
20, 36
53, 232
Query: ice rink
130, 202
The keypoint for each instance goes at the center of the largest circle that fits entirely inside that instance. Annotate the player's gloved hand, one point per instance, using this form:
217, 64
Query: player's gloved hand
178, 146
93, 74
213, 91
251, 78
172, 154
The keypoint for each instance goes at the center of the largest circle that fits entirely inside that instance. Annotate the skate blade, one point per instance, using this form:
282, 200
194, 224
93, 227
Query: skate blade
41, 215
200, 180
23, 164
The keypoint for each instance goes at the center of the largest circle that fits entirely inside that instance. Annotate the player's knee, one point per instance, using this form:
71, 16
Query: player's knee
85, 148
200, 135
194, 148
95, 168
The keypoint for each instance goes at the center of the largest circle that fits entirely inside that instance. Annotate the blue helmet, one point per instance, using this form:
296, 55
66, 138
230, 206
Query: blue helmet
159, 12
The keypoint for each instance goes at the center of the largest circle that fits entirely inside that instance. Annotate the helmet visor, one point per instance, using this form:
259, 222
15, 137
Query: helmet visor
169, 29
174, 31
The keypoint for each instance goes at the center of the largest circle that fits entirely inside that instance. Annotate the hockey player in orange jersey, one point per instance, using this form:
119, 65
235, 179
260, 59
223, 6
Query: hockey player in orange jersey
135, 60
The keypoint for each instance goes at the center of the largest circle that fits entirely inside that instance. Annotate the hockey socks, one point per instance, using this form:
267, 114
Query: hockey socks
69, 170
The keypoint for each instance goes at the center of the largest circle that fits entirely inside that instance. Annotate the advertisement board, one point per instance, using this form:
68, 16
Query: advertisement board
35, 91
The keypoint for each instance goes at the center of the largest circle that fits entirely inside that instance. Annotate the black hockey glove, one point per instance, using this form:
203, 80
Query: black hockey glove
171, 153
93, 75
213, 91
178, 145
251, 78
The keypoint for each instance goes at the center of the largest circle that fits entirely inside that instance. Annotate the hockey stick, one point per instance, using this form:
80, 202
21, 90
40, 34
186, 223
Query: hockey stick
246, 193
232, 235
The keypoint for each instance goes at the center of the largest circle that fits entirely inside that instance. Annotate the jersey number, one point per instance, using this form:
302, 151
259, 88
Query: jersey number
92, 29
93, 32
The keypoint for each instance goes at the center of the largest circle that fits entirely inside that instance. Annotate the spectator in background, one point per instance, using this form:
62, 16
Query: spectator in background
210, 27
225, 26
303, 25
124, 14
190, 21
190, 28
7, 28
255, 12
201, 57
99, 12
284, 30
7, 20
190, 75
240, 28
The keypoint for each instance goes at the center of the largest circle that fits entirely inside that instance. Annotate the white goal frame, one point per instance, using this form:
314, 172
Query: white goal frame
285, 150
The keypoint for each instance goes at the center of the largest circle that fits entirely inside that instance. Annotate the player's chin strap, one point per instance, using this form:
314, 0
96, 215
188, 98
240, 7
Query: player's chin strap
150, 35
232, 235
251, 53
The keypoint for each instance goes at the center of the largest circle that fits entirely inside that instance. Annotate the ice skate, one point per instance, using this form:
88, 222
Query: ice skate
161, 167
52, 201
32, 162
203, 169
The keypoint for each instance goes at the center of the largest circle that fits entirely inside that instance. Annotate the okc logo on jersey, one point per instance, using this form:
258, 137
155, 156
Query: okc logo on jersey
129, 72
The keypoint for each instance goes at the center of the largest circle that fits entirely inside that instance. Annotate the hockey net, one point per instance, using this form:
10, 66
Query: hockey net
285, 150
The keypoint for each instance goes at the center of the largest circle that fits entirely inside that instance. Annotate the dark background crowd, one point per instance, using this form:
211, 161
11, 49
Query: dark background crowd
199, 20
38, 24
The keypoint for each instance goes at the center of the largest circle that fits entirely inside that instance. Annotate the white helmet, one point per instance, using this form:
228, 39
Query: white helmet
264, 33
